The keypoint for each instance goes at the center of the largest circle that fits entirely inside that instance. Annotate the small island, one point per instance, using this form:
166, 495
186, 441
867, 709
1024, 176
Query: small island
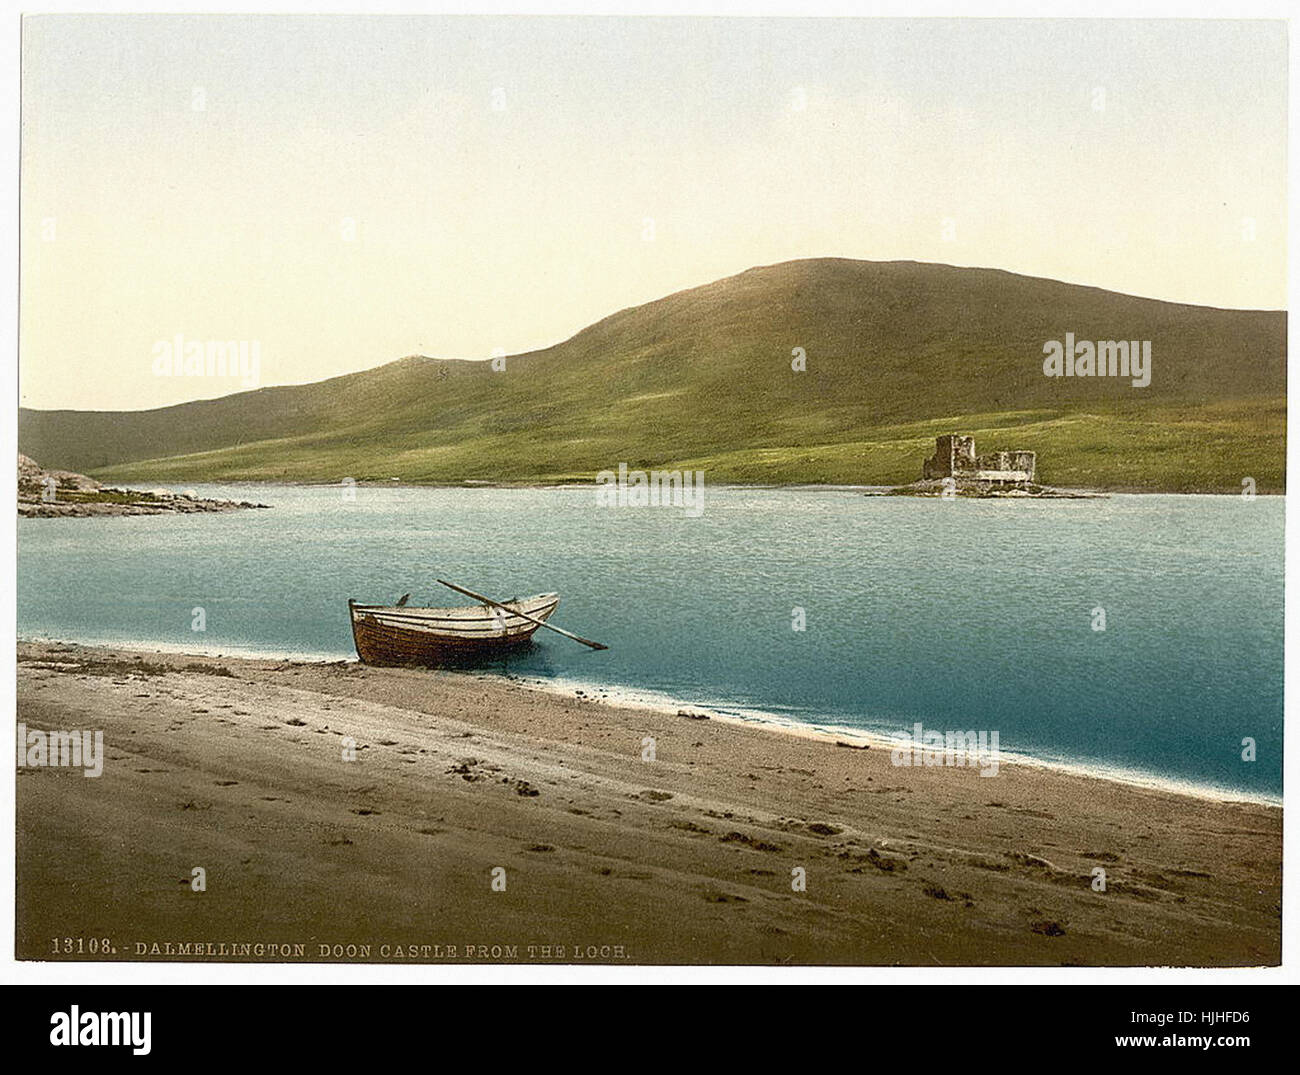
44, 494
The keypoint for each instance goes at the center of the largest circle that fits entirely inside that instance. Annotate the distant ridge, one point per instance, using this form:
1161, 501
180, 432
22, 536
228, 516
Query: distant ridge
897, 352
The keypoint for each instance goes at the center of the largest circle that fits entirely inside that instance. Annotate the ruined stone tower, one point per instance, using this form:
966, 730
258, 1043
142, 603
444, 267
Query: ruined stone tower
952, 454
954, 457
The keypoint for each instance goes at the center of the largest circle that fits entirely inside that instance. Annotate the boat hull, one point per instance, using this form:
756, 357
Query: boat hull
389, 635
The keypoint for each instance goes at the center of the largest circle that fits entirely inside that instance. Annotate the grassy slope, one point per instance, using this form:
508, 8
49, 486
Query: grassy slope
897, 353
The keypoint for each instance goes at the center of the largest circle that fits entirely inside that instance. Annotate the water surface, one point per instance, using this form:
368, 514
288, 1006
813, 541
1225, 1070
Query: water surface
959, 614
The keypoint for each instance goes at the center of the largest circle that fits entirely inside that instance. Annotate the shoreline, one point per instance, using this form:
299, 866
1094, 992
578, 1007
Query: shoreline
640, 836
643, 837
776, 723
810, 487
661, 702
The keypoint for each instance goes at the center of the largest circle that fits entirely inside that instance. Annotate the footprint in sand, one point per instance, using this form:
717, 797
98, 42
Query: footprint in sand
937, 892
819, 828
749, 841
724, 897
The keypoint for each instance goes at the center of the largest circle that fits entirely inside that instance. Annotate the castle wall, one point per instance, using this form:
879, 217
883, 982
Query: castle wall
954, 457
1026, 461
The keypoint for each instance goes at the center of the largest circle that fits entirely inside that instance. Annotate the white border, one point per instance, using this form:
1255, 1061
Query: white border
312, 974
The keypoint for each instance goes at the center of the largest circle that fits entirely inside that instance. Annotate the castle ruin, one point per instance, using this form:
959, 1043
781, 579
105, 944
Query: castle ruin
954, 457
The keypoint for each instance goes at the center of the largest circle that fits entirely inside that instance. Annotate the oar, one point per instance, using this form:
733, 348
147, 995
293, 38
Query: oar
522, 615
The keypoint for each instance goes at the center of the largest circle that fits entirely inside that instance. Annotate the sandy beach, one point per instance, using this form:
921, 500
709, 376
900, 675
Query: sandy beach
608, 852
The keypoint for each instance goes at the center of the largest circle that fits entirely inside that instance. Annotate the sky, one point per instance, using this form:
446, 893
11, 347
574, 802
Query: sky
338, 192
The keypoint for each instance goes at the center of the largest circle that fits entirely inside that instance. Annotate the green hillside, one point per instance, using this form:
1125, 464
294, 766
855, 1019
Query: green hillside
897, 352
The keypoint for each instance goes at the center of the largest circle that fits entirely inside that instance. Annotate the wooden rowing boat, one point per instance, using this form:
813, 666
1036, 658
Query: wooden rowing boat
398, 634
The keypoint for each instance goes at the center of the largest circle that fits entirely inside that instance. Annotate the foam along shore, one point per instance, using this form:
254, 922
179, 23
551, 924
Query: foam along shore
482, 820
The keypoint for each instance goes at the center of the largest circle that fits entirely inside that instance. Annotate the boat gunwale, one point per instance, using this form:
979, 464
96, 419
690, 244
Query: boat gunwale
485, 625
522, 604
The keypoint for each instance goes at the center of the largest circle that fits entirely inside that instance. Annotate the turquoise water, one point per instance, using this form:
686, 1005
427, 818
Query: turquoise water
959, 614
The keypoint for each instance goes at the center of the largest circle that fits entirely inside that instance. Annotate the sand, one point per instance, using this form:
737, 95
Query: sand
239, 767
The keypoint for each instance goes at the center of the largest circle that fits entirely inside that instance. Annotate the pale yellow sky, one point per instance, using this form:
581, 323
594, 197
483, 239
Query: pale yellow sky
506, 182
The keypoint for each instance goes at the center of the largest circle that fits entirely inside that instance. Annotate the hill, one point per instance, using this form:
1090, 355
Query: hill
897, 352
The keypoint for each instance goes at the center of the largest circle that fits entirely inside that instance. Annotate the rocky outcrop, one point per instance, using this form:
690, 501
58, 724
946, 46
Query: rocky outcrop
56, 493
948, 488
